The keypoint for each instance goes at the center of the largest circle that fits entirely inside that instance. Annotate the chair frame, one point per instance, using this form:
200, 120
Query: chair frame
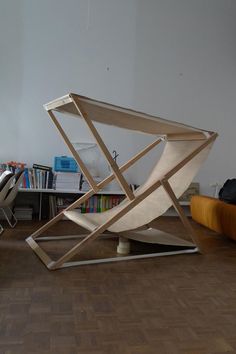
3, 194
63, 261
6, 200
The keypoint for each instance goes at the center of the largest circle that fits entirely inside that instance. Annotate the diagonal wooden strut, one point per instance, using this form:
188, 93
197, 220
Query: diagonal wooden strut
74, 152
120, 178
166, 185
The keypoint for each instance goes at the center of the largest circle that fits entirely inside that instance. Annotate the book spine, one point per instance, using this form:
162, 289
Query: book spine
24, 180
95, 204
27, 178
51, 180
42, 167
99, 204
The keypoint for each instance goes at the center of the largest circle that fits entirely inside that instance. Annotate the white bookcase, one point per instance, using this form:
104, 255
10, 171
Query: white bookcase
40, 193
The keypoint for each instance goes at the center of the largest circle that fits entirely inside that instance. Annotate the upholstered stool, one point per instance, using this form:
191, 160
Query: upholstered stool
214, 214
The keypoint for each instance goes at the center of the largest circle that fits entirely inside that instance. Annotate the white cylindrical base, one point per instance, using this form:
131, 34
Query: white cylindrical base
123, 246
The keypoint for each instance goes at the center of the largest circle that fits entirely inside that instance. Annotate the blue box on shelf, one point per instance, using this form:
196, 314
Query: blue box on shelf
65, 164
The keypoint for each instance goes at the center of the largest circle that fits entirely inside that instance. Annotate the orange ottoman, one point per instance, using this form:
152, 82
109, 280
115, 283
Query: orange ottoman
214, 214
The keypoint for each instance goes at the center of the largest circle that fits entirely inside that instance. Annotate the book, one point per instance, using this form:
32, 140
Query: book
26, 177
50, 180
42, 167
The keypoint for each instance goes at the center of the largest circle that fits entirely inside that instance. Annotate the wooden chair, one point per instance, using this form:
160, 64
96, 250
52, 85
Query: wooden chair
185, 150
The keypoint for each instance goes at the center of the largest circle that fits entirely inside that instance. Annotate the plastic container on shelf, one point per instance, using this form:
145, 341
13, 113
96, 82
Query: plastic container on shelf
92, 157
65, 164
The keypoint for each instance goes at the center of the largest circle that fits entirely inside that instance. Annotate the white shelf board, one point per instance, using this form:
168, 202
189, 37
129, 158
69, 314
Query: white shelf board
76, 191
67, 191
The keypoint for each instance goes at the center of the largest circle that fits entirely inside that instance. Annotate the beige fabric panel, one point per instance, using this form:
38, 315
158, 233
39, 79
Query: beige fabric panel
155, 236
158, 202
120, 117
131, 120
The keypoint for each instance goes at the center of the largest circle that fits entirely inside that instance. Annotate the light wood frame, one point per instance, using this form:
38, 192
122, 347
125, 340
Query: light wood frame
63, 261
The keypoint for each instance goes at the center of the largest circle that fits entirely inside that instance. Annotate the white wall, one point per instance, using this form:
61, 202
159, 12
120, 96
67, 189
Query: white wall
185, 70
81, 46
11, 76
172, 58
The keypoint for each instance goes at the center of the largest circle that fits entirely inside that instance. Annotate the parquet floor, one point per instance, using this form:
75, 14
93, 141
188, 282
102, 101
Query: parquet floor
168, 305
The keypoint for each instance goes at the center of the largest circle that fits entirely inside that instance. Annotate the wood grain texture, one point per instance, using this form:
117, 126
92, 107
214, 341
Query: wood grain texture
179, 304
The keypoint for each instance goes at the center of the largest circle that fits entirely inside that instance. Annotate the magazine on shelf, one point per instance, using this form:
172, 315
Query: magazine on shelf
67, 180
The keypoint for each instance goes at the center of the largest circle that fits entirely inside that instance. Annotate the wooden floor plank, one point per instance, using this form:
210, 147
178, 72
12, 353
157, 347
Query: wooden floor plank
179, 304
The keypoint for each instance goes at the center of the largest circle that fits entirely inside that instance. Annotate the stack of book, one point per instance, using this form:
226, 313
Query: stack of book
101, 203
67, 180
38, 177
58, 204
96, 204
23, 213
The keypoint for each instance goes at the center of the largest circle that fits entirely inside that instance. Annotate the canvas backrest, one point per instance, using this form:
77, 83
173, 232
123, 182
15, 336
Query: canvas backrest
13, 190
5, 185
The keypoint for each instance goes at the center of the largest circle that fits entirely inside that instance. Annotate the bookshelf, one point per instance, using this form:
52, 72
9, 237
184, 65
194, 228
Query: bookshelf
44, 187
63, 193
41, 199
